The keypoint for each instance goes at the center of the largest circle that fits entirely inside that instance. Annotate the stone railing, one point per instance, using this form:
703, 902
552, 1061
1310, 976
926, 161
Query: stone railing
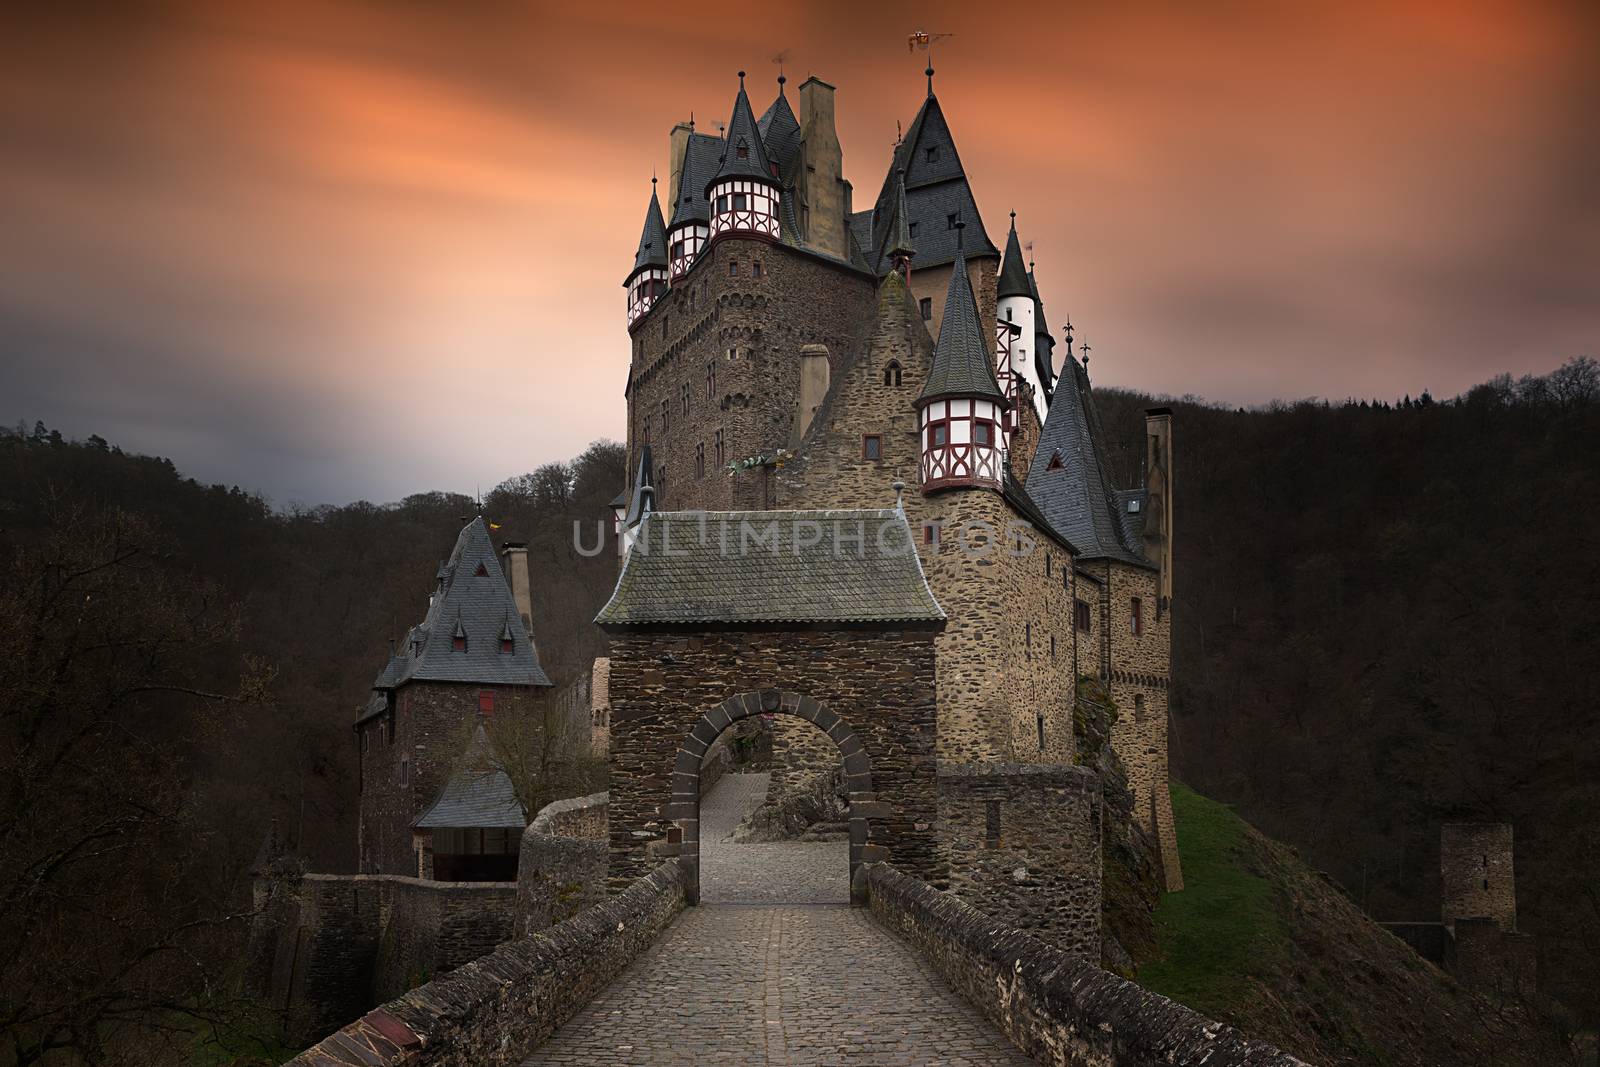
497, 1009
561, 869
1057, 1008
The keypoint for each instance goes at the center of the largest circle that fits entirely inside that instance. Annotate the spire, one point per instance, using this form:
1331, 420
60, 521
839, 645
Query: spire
900, 248
1013, 274
743, 153
929, 73
780, 130
961, 363
653, 240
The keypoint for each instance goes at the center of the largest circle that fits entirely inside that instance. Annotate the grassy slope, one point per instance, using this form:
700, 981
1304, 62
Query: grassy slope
1259, 940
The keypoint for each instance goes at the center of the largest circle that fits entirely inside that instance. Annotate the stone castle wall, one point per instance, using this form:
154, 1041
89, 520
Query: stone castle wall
879, 682
1022, 844
562, 864
1478, 880
747, 330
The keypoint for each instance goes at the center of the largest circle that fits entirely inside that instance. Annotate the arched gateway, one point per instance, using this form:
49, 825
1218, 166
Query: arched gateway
825, 616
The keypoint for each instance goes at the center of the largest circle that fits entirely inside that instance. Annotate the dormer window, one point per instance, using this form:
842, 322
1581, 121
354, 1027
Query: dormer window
481, 572
950, 221
1055, 463
507, 646
931, 153
742, 151
913, 228
458, 643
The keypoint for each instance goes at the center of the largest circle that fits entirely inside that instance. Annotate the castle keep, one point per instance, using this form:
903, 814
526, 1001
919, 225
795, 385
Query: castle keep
794, 359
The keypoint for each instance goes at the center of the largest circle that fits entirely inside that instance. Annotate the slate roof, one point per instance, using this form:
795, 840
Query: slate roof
1076, 496
742, 130
899, 234
780, 131
691, 568
936, 188
480, 606
701, 158
479, 796
1013, 273
652, 239
961, 362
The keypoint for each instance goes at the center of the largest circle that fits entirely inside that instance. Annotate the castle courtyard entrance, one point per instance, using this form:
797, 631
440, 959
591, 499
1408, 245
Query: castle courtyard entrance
812, 871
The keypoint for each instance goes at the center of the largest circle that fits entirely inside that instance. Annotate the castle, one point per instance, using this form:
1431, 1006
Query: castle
792, 356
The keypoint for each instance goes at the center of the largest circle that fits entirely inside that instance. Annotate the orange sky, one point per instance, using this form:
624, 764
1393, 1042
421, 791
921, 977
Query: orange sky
344, 250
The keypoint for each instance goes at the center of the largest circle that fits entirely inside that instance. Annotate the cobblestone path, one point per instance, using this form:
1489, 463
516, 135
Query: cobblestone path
769, 983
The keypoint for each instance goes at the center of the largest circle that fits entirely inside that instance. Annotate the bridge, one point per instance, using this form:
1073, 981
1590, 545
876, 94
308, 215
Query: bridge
775, 966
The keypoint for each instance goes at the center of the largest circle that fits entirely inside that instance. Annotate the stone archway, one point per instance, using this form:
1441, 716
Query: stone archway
684, 807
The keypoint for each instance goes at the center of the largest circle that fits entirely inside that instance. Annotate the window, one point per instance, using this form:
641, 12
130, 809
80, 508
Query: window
683, 395
507, 645
1039, 718
664, 327
930, 533
711, 378
926, 306
661, 480
872, 447
481, 572
700, 460
983, 433
891, 373
939, 434
755, 269
950, 221
1052, 646
733, 268
486, 703
677, 250
388, 729
1080, 614
644, 432
1135, 623
405, 771
913, 228
720, 457
740, 201
931, 153
1027, 639
458, 643
1138, 707
722, 204
1047, 564
742, 150
1055, 463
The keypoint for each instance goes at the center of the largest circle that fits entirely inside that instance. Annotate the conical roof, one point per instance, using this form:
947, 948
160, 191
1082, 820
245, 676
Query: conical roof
653, 239
744, 155
1067, 478
1044, 342
899, 243
961, 363
780, 130
1013, 272
701, 158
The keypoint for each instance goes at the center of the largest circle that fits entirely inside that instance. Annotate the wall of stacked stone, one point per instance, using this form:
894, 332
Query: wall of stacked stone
933, 284
798, 299
1022, 844
496, 1010
878, 682
1477, 876
429, 928
1054, 1006
1488, 957
561, 869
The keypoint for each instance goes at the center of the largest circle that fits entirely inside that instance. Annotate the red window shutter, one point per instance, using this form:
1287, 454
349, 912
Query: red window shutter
486, 701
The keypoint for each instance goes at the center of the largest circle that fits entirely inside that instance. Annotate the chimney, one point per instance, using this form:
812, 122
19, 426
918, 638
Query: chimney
824, 194
677, 149
514, 560
1158, 506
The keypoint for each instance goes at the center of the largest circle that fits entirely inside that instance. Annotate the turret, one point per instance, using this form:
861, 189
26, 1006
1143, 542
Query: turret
648, 280
744, 193
691, 216
1014, 304
1044, 348
961, 409
900, 247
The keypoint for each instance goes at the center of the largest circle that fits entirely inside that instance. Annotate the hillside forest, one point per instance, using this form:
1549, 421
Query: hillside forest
1382, 622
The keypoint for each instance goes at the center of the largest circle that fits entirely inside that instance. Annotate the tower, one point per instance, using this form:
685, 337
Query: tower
961, 408
1016, 303
744, 194
648, 280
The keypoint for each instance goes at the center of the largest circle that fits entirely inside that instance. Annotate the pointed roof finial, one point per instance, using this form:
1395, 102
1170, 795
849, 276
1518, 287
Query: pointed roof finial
1084, 348
1068, 330
961, 243
929, 73
741, 79
899, 488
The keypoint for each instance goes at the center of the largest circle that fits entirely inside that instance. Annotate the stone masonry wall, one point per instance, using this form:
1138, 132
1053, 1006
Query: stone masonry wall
1477, 879
1054, 1006
494, 1011
1023, 846
1138, 678
747, 330
338, 944
879, 683
561, 868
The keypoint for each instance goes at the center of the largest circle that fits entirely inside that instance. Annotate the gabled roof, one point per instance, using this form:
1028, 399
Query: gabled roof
780, 130
653, 239
1067, 477
936, 189
961, 362
743, 133
1013, 273
480, 607
478, 796
701, 157
700, 568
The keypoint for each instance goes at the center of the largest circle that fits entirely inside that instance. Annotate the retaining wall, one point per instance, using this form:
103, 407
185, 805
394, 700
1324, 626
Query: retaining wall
494, 1011
562, 866
1055, 1007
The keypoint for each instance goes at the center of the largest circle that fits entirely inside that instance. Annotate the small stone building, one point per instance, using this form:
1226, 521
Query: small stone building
473, 832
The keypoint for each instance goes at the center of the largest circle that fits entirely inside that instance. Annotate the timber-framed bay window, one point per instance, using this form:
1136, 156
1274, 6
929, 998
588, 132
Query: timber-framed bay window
644, 289
960, 443
743, 205
684, 247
